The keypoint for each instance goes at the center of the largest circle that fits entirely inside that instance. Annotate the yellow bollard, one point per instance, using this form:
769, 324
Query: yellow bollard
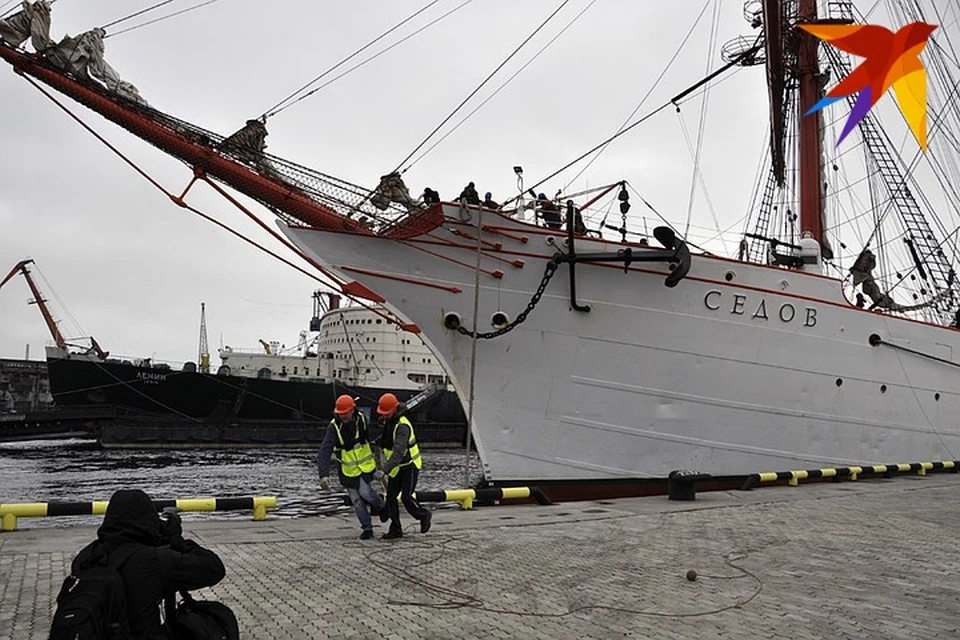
260, 506
464, 496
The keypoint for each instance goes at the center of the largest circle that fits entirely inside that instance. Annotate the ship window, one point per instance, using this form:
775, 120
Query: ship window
306, 371
374, 338
393, 372
368, 370
294, 371
419, 378
379, 321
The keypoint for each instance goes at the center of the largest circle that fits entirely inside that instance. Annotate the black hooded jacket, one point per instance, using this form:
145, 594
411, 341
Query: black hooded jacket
131, 517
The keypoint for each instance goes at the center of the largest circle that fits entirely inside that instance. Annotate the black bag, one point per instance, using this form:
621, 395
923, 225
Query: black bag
92, 603
203, 620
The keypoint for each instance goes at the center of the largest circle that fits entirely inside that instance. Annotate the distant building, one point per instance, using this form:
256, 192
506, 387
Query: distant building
24, 386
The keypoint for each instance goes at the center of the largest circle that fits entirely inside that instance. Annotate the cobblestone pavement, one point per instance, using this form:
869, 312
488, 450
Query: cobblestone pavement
873, 558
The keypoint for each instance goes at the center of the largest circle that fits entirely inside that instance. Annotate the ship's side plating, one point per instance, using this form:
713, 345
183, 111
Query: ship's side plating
739, 368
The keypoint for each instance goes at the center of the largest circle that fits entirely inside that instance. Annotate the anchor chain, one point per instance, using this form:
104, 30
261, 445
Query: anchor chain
547, 275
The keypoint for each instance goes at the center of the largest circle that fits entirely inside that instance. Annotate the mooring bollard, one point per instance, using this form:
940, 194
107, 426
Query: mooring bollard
681, 484
10, 512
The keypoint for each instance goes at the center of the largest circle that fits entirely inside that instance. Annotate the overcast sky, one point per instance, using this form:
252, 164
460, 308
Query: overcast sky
132, 269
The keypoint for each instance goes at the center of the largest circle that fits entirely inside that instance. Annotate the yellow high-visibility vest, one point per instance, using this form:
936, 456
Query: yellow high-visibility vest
359, 458
413, 451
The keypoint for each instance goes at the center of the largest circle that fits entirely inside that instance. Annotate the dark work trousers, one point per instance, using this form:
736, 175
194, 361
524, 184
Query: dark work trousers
403, 485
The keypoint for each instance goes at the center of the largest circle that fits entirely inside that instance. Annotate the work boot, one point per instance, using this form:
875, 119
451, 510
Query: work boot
392, 535
425, 522
367, 534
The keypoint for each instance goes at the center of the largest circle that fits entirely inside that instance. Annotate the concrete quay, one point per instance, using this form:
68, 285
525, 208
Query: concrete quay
865, 559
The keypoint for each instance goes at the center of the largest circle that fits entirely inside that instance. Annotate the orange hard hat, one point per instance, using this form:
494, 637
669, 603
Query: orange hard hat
345, 404
388, 404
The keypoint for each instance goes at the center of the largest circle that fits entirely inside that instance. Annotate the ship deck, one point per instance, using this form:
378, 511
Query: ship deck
871, 558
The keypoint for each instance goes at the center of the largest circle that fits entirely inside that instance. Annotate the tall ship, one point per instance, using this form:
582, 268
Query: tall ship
273, 395
828, 339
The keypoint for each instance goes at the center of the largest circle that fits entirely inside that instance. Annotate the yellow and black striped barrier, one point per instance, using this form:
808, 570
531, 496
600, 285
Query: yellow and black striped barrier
793, 478
466, 497
10, 512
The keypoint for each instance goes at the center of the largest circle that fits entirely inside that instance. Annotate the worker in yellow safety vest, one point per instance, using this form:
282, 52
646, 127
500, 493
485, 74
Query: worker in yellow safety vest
401, 465
348, 442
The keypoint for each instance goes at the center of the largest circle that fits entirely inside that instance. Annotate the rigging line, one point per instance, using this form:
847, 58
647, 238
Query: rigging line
481, 85
499, 89
672, 101
160, 187
664, 220
375, 56
6, 7
141, 393
913, 389
277, 108
53, 292
698, 178
704, 104
650, 91
587, 153
137, 13
160, 19
16, 5
180, 202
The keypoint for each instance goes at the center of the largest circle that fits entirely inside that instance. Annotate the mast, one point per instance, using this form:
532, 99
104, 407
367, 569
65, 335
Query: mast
811, 138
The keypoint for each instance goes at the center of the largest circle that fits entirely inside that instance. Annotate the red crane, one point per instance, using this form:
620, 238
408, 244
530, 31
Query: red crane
41, 302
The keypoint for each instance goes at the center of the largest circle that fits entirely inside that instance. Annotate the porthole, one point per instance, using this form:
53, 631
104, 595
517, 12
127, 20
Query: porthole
883, 388
839, 382
729, 276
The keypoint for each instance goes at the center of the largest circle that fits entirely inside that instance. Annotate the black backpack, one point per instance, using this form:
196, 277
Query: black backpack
202, 620
92, 603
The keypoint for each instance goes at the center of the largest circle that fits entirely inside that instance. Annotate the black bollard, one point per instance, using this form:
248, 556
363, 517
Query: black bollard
681, 484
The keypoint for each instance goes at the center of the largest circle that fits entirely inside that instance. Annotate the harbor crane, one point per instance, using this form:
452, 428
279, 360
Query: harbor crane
203, 355
41, 302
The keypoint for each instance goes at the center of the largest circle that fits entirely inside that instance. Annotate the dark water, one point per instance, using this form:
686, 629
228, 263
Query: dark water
79, 471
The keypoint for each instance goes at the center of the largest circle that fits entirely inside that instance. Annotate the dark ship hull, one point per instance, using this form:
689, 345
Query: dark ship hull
157, 405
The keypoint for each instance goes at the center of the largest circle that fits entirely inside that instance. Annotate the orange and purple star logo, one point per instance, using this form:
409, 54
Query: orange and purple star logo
891, 60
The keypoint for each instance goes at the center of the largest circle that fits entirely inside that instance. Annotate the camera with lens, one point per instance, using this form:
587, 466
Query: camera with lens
171, 528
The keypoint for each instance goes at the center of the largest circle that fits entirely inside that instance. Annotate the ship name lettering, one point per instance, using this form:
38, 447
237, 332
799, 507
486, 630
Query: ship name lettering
151, 378
740, 303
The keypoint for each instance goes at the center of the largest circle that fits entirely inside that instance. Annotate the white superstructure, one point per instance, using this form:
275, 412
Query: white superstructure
355, 346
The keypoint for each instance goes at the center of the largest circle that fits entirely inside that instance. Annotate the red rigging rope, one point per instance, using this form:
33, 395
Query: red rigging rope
336, 283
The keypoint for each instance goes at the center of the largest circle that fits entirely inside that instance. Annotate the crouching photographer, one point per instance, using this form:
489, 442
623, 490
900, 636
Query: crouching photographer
119, 581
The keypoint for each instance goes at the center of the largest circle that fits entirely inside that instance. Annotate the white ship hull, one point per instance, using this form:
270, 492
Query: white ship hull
741, 368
